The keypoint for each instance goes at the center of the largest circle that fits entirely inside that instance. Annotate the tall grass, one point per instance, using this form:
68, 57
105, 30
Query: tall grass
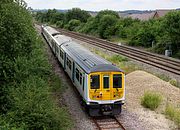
151, 100
120, 61
117, 59
173, 114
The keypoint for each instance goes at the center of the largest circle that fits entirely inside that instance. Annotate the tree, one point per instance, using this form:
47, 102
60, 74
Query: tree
74, 23
78, 14
106, 12
171, 24
57, 17
107, 26
16, 38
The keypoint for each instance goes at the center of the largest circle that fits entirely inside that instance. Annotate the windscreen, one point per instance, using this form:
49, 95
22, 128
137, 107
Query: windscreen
117, 81
106, 81
95, 83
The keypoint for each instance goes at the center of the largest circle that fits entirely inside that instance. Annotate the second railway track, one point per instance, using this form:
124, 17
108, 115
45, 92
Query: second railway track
162, 62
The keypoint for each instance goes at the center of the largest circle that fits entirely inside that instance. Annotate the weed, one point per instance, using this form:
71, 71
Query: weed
151, 100
173, 114
173, 82
117, 59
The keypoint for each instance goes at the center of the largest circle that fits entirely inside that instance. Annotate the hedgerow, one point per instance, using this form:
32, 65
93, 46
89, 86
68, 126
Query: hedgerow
26, 91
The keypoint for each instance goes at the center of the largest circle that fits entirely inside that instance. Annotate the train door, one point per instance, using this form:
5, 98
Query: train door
94, 86
106, 86
118, 86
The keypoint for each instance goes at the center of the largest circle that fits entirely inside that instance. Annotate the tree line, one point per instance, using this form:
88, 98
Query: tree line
156, 35
26, 79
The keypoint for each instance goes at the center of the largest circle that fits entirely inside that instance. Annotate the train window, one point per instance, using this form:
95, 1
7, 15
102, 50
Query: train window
95, 83
61, 54
83, 83
117, 81
69, 64
77, 74
106, 81
57, 49
80, 78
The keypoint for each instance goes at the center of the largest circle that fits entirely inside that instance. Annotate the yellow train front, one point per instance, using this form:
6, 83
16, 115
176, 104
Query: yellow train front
106, 90
100, 83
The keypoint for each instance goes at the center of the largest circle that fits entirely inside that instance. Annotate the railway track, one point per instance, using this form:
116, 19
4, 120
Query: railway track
108, 123
159, 61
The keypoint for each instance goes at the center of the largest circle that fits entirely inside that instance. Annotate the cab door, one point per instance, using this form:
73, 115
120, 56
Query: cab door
106, 87
118, 85
94, 86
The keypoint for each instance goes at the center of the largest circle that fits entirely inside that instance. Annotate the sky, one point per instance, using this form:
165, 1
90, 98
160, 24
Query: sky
97, 5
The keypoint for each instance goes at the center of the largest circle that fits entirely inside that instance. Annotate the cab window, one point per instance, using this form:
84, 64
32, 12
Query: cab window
95, 83
106, 81
117, 81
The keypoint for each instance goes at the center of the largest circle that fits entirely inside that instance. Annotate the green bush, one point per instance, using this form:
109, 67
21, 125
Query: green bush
78, 14
117, 58
173, 114
26, 87
34, 108
174, 82
60, 24
151, 100
107, 26
73, 24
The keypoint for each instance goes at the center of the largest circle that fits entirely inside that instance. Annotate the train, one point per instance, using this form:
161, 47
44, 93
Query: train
100, 83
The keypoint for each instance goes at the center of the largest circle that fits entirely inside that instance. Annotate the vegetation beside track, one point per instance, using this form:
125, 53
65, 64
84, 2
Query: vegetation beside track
173, 113
27, 81
120, 61
151, 100
155, 35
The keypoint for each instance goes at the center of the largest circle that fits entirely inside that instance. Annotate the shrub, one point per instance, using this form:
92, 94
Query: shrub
117, 59
173, 82
34, 108
107, 27
26, 91
173, 114
151, 100
59, 24
73, 24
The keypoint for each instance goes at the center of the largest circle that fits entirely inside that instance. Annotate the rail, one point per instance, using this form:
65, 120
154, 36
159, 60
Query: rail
108, 123
166, 63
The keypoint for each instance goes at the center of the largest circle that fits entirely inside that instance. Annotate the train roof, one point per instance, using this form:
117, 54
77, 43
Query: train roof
51, 30
87, 60
61, 39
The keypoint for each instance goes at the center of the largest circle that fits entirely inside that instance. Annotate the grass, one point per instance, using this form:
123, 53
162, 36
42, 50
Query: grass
119, 60
151, 100
118, 40
173, 82
173, 114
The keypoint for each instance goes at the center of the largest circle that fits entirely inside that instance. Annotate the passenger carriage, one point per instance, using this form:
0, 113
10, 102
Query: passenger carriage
100, 83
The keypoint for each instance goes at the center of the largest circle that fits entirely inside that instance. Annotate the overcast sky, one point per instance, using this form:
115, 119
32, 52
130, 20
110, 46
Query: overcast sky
96, 5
